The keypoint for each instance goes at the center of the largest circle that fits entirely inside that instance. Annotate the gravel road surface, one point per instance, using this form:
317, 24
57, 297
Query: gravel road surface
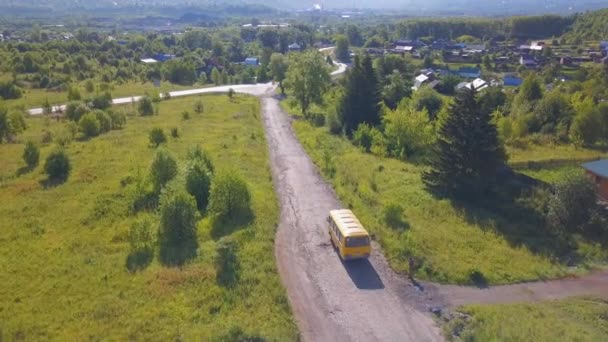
333, 301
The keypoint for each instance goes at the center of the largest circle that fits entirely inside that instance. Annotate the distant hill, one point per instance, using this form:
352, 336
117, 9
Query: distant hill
420, 7
589, 26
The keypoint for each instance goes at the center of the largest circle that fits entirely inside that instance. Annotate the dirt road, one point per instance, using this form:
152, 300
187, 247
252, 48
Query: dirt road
332, 301
595, 284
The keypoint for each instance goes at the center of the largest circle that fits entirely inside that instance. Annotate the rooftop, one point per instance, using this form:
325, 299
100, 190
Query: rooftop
347, 222
598, 168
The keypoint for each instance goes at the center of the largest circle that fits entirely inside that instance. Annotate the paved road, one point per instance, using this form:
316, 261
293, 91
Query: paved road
332, 301
251, 89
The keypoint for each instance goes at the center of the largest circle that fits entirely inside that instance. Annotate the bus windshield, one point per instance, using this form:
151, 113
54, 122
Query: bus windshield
357, 241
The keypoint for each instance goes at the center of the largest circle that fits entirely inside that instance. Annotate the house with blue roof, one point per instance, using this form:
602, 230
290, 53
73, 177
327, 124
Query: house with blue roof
598, 171
252, 61
512, 81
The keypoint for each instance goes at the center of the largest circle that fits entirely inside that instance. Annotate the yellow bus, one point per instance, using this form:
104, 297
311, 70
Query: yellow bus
348, 235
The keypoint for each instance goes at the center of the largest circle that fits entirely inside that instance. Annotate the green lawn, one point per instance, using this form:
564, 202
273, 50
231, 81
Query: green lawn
551, 163
63, 249
576, 319
450, 242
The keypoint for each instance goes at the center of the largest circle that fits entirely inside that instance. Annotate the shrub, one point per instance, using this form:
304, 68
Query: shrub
229, 198
89, 125
177, 234
393, 216
119, 119
185, 115
47, 137
31, 155
105, 121
157, 136
72, 128
573, 205
197, 153
226, 262
198, 182
64, 137
89, 86
75, 110
199, 107
163, 169
57, 165
363, 138
145, 106
174, 133
141, 239
101, 101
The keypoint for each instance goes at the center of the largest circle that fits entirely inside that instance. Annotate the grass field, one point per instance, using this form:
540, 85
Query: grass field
36, 97
63, 249
576, 319
452, 243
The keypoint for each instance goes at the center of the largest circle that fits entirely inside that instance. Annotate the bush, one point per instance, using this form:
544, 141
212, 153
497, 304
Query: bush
363, 138
163, 169
199, 107
229, 198
75, 110
119, 119
393, 216
31, 155
177, 233
185, 115
226, 262
102, 101
198, 182
141, 239
89, 125
197, 153
157, 136
174, 133
141, 236
47, 136
57, 165
105, 121
145, 106
573, 205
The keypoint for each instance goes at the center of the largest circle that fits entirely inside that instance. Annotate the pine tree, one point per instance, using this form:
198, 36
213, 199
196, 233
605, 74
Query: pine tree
468, 154
361, 100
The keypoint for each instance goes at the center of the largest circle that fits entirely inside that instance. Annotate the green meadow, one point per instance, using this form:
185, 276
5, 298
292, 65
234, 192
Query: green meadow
575, 319
64, 248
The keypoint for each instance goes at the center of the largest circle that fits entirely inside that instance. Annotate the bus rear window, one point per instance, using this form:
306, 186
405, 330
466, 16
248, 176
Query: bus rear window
358, 241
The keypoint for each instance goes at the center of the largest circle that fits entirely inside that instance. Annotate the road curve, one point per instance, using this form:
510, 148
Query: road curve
332, 301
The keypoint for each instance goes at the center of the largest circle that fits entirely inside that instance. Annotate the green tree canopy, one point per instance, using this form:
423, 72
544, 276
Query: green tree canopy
468, 152
307, 78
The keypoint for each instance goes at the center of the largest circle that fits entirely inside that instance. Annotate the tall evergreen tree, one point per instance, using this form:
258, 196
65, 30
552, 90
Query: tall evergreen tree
468, 153
361, 100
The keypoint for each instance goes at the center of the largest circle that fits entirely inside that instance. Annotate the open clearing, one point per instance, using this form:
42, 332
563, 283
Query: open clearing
576, 319
63, 249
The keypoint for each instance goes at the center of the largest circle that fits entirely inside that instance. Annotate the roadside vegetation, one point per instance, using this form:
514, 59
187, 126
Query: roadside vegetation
465, 228
142, 241
576, 319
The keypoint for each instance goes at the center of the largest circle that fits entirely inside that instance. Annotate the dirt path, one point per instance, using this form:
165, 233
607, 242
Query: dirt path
333, 301
595, 284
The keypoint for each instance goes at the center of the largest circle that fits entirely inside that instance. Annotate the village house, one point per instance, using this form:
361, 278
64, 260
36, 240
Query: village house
295, 47
598, 171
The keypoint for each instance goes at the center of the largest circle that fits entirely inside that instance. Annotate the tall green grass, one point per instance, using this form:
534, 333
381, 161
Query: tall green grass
454, 246
576, 319
63, 249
